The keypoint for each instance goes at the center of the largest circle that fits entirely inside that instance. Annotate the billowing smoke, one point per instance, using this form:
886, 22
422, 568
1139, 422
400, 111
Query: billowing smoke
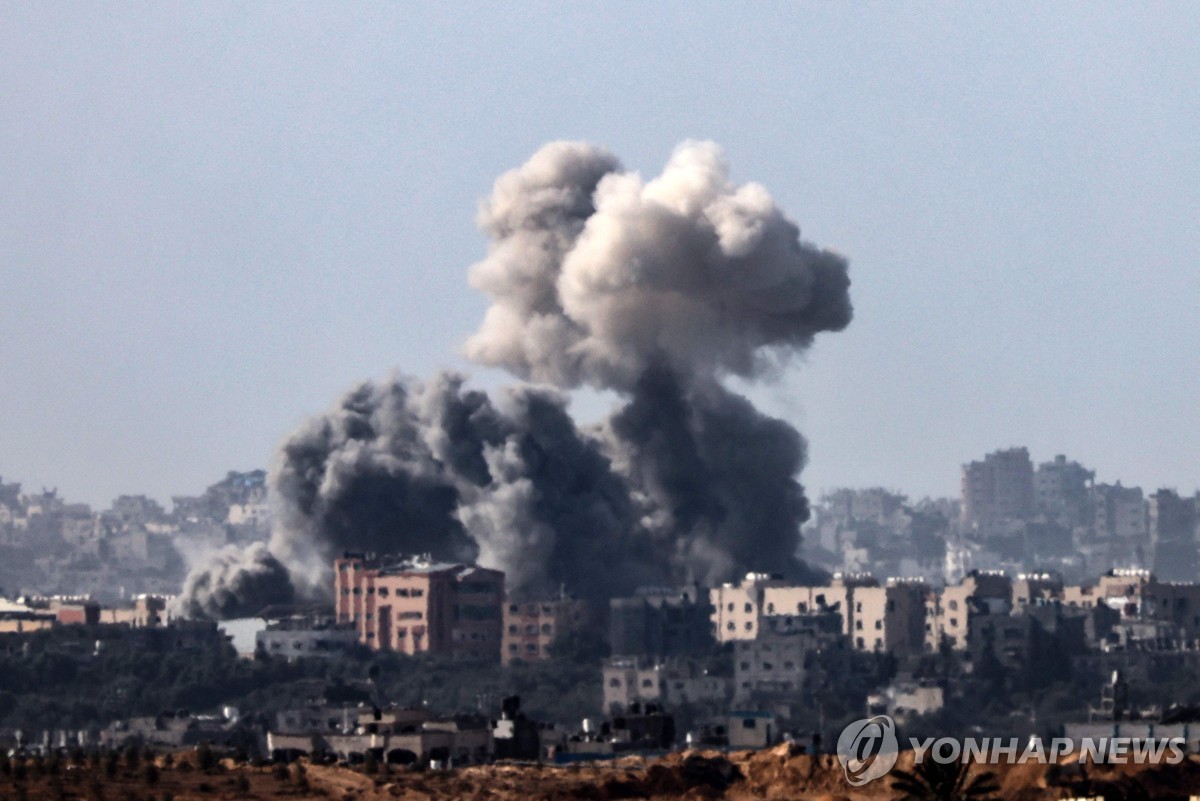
598, 276
235, 582
655, 290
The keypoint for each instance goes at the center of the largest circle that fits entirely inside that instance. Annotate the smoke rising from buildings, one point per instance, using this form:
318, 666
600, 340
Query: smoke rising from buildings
655, 290
235, 582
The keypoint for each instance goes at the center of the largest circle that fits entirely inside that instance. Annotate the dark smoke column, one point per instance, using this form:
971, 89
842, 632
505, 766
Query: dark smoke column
658, 290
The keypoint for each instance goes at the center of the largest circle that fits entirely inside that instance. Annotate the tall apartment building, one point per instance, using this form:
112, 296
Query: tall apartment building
1173, 533
530, 627
1062, 491
414, 605
998, 488
1119, 512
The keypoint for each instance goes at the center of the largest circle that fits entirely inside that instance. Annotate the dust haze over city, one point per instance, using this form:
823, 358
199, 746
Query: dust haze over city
396, 389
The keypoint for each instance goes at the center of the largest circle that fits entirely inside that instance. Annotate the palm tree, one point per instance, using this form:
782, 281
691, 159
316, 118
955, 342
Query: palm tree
945, 781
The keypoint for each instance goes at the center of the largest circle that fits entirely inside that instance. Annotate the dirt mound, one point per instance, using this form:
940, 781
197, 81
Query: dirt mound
780, 774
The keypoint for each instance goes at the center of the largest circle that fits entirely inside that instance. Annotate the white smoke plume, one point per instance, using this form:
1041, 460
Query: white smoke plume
656, 290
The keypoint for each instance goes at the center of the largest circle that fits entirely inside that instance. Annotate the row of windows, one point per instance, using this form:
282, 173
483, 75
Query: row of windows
530, 648
531, 629
402, 592
770, 666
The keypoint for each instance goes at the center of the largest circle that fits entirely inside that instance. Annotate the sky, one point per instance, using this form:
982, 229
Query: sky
215, 218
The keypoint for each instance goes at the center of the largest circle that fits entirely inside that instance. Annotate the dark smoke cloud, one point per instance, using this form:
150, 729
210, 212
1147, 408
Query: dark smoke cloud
235, 582
655, 290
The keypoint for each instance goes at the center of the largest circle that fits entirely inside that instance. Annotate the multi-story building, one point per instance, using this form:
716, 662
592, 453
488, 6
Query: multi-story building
736, 608
530, 627
660, 622
949, 612
1062, 490
1119, 512
776, 663
672, 683
889, 618
998, 488
1173, 535
305, 637
415, 605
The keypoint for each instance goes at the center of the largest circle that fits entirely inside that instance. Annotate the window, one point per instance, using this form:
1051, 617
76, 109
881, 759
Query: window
768, 666
745, 666
383, 592
513, 629
531, 647
531, 629
858, 625
730, 626
370, 590
953, 621
891, 606
547, 628
878, 625
770, 609
858, 606
513, 608
410, 615
953, 606
646, 683
418, 593
749, 626
789, 665
614, 682
731, 607
749, 607
357, 591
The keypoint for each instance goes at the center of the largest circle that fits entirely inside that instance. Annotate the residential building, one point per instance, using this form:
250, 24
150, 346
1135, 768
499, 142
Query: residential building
949, 612
659, 621
530, 627
998, 488
1062, 491
415, 605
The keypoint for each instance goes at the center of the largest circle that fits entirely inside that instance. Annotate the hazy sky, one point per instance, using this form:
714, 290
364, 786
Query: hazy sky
214, 218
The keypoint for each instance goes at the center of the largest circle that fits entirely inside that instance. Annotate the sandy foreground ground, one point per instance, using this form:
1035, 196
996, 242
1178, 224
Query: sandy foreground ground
773, 774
